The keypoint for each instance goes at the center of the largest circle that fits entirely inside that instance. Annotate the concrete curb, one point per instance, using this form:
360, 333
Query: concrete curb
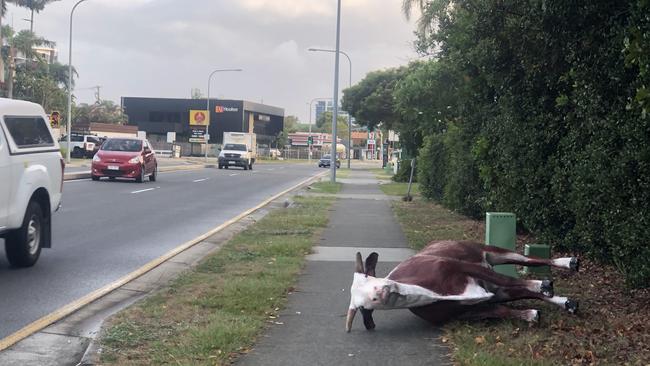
163, 169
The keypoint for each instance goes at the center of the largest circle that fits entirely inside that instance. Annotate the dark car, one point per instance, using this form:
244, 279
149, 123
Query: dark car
125, 158
326, 162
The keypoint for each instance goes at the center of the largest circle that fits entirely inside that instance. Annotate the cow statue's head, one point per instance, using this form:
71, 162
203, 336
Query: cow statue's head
367, 292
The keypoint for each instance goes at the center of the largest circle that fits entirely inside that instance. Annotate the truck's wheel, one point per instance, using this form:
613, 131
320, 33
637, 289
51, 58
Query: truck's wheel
250, 166
77, 152
245, 166
94, 177
220, 166
23, 245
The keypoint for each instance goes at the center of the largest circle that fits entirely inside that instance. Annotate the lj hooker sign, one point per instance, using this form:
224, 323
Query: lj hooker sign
199, 118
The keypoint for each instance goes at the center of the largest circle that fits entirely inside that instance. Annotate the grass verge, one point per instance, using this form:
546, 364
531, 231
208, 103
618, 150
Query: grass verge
381, 173
399, 189
212, 314
611, 327
342, 173
326, 187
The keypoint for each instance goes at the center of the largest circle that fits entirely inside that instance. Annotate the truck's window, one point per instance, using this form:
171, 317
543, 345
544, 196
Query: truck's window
76, 138
239, 147
29, 131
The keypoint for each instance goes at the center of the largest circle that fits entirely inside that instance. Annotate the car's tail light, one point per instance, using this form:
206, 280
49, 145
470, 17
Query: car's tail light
62, 173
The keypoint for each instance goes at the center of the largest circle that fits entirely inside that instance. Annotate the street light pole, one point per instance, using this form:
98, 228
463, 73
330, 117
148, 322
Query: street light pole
207, 129
349, 86
69, 124
335, 98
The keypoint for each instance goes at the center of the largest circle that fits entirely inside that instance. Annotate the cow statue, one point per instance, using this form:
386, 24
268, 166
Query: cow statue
453, 279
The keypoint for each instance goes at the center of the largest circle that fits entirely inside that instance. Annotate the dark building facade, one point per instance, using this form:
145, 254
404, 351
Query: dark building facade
161, 115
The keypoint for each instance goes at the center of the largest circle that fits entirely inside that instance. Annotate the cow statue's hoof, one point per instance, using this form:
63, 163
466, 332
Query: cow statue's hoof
574, 264
534, 316
547, 288
571, 306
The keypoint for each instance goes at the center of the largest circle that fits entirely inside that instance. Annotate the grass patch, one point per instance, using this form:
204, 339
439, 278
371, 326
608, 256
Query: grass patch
211, 314
380, 173
399, 189
611, 327
326, 187
424, 221
342, 173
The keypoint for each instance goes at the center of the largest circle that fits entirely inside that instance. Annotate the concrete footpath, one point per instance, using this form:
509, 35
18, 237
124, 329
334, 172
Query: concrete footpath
311, 330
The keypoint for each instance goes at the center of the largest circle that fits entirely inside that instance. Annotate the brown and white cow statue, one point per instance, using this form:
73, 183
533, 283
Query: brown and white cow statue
453, 280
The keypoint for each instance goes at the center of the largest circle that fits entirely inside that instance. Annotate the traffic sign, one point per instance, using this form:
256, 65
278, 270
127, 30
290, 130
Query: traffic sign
54, 119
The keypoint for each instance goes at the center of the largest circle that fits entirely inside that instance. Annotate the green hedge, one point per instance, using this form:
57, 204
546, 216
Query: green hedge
548, 117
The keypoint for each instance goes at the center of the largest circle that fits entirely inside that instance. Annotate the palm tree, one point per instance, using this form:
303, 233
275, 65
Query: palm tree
23, 41
429, 10
3, 10
34, 6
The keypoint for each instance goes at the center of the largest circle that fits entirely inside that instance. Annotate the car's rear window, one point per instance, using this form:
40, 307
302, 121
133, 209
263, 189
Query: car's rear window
28, 132
122, 145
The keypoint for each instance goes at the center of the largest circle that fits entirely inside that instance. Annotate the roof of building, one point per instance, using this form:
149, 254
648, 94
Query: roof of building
111, 127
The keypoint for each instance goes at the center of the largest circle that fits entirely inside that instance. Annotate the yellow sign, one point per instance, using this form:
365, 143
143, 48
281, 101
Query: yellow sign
54, 119
199, 118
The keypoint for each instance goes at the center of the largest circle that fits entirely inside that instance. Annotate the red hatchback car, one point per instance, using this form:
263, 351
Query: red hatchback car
125, 158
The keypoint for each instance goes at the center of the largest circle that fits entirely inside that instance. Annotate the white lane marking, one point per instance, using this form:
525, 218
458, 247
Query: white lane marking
76, 180
271, 169
200, 180
232, 175
144, 190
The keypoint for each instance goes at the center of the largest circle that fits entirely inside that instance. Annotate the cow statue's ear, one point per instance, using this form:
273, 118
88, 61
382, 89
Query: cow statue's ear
371, 264
359, 264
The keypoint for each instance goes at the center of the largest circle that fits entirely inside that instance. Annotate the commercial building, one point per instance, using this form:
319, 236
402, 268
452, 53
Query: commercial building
323, 106
157, 116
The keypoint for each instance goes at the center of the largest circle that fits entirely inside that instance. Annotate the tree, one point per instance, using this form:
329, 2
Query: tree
3, 10
371, 101
324, 124
105, 111
23, 41
291, 124
34, 6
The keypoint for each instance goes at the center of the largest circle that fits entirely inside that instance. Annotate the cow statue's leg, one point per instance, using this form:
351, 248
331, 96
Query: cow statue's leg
507, 288
498, 311
496, 255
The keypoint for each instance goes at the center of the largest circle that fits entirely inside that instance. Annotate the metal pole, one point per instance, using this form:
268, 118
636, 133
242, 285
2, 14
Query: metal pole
69, 124
349, 116
207, 128
335, 98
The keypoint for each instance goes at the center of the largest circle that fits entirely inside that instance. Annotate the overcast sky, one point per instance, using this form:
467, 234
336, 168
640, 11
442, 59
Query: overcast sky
164, 48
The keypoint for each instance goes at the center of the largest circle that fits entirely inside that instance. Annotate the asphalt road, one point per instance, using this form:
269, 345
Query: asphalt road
106, 230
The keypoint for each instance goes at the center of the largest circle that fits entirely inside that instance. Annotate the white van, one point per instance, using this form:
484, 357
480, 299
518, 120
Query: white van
31, 180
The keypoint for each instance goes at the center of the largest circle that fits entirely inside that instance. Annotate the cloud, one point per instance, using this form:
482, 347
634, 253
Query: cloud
165, 48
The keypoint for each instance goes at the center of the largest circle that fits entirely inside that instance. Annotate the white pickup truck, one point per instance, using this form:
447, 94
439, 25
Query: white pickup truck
239, 149
31, 180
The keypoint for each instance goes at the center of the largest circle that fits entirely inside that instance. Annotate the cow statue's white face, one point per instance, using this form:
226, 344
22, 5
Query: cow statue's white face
369, 293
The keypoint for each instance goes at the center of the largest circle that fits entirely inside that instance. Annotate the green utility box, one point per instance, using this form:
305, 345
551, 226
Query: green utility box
539, 251
500, 231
